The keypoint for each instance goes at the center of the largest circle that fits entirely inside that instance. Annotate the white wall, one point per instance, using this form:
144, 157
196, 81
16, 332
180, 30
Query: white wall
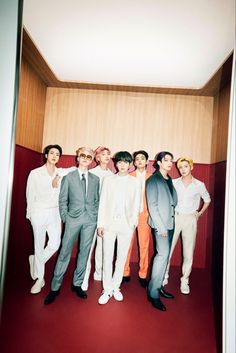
10, 34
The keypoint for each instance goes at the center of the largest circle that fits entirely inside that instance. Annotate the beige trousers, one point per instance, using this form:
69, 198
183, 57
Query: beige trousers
187, 226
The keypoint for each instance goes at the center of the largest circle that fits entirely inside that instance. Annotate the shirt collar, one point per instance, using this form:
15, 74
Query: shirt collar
83, 172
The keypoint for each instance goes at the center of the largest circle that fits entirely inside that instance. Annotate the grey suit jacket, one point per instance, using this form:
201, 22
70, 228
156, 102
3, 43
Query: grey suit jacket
161, 203
72, 200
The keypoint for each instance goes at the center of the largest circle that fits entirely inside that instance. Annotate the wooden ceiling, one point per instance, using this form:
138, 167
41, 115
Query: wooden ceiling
32, 55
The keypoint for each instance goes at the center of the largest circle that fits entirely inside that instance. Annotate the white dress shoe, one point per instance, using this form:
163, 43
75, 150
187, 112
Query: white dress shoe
31, 263
105, 297
37, 286
118, 295
184, 288
84, 286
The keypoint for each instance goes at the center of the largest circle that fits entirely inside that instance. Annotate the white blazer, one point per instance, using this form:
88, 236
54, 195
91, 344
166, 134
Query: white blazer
106, 210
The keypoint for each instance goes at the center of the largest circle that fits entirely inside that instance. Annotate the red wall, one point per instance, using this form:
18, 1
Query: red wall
20, 238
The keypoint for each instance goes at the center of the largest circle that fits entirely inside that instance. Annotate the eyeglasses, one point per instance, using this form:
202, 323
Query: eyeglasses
86, 156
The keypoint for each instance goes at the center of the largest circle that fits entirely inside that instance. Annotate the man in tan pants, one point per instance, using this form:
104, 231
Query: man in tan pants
190, 191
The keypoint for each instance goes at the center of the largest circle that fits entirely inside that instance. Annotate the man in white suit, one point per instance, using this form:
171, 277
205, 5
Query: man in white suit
117, 218
43, 212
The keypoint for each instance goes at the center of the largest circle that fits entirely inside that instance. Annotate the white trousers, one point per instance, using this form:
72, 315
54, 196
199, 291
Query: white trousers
112, 280
97, 241
187, 226
45, 221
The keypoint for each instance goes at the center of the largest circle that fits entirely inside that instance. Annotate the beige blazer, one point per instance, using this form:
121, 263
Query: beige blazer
106, 210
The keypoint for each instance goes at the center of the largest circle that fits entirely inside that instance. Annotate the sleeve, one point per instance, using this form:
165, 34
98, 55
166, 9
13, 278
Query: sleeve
137, 203
63, 199
96, 201
30, 195
153, 206
102, 204
204, 193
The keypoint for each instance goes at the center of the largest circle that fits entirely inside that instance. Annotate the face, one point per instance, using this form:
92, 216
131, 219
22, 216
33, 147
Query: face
123, 167
104, 157
185, 168
140, 161
166, 163
53, 156
85, 158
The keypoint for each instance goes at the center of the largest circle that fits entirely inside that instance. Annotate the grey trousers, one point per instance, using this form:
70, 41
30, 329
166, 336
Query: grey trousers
163, 246
73, 229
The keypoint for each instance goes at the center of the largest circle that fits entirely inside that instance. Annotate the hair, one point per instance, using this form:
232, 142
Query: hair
99, 150
80, 149
49, 147
124, 156
184, 159
144, 153
160, 156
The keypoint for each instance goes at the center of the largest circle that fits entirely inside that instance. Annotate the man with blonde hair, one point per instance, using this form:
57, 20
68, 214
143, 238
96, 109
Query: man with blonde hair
190, 191
78, 205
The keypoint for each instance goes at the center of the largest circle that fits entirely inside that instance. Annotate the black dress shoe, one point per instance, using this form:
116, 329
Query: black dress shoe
156, 303
126, 279
165, 294
143, 282
79, 292
50, 298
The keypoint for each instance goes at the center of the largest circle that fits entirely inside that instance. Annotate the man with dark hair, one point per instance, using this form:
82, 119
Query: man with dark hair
43, 212
49, 147
140, 160
117, 218
78, 204
161, 200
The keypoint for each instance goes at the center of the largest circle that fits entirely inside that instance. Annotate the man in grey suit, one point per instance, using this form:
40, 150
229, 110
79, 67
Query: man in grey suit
78, 205
161, 201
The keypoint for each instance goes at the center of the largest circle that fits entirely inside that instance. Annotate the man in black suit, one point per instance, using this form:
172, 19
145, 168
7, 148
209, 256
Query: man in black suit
161, 201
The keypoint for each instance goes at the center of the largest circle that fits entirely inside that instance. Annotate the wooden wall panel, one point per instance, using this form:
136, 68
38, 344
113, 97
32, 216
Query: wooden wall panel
220, 125
223, 122
31, 109
129, 120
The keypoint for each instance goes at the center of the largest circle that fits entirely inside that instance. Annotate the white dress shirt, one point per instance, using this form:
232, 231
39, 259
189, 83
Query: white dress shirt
40, 193
85, 173
189, 196
142, 179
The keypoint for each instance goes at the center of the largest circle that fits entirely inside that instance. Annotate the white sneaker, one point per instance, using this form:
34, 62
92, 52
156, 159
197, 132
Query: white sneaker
105, 297
184, 288
31, 263
118, 295
97, 277
37, 286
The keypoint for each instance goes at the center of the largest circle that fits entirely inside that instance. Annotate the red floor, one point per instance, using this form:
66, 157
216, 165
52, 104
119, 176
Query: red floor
73, 325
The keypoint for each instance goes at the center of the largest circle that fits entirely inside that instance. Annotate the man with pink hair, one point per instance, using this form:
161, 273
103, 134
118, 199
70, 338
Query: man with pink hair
102, 157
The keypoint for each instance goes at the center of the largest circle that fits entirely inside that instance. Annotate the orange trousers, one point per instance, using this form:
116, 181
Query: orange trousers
144, 234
